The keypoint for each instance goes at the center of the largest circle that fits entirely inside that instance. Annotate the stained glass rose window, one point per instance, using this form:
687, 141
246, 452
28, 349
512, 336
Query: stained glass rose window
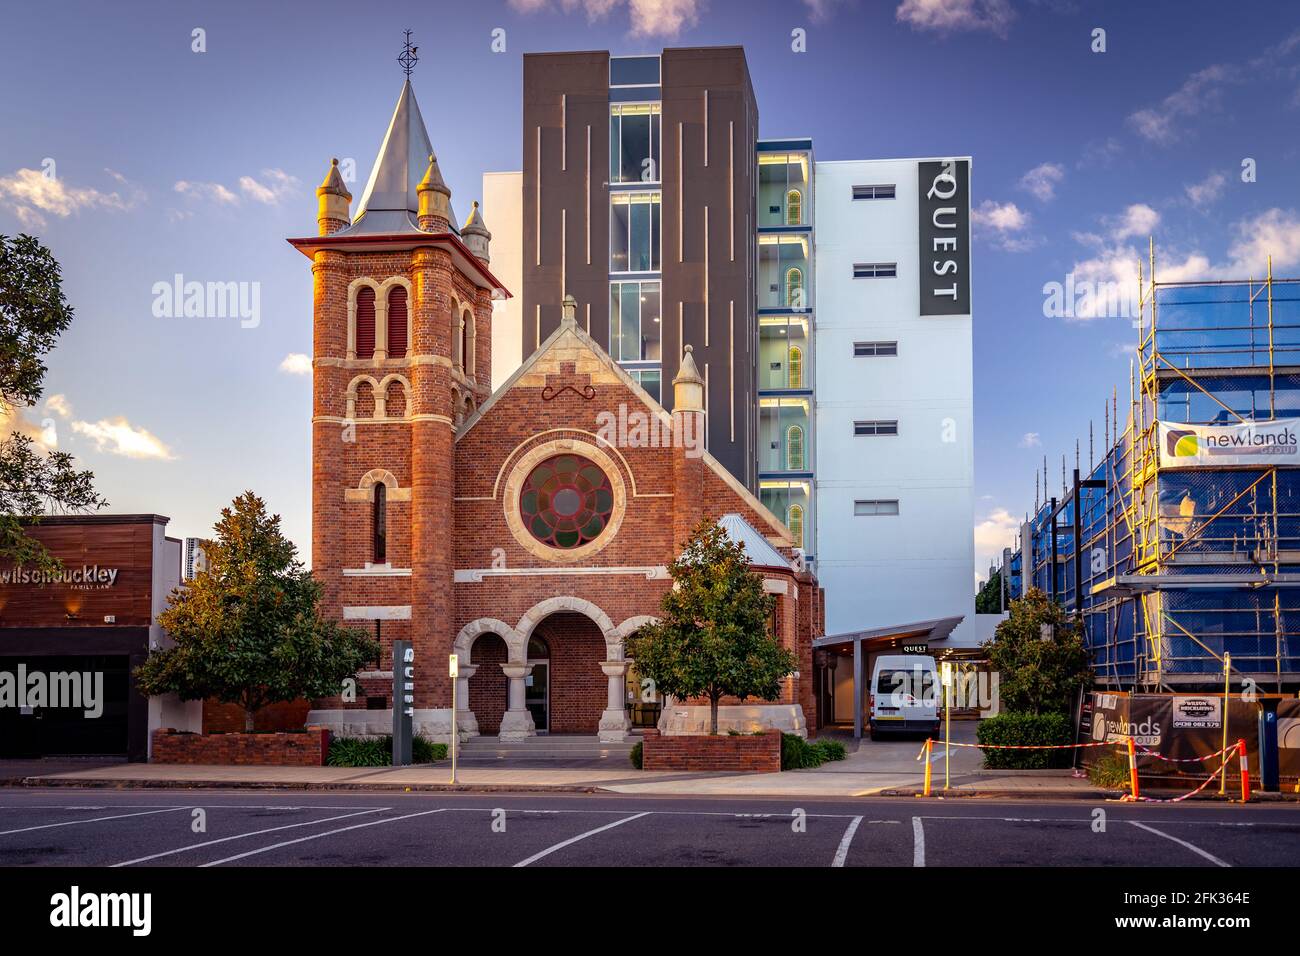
566, 502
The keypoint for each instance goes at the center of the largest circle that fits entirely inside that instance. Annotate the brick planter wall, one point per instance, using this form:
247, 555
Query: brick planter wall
746, 753
306, 749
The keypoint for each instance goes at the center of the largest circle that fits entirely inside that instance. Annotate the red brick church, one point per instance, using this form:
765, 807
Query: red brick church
528, 529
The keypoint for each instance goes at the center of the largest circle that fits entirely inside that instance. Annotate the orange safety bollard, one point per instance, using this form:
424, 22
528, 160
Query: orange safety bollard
1133, 769
1245, 771
929, 745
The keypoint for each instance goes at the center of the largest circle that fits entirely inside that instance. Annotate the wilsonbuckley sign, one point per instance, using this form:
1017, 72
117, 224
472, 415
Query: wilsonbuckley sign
944, 211
85, 578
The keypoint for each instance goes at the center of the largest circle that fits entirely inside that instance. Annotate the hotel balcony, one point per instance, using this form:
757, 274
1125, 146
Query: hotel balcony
784, 271
784, 188
784, 353
791, 501
784, 435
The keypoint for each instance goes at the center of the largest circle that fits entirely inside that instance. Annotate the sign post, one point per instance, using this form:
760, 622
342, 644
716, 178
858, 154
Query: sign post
946, 674
403, 702
1223, 769
454, 671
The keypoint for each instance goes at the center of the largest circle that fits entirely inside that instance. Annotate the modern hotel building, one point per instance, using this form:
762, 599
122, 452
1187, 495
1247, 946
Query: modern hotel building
828, 304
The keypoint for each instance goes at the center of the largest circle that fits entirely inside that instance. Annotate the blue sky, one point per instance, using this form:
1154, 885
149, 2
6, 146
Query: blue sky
165, 160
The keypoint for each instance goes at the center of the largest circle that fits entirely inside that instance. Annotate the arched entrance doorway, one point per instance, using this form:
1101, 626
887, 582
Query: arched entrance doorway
577, 688
488, 687
537, 685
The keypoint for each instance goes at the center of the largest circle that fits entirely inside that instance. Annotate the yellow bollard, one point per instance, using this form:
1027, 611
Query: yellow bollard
1133, 769
929, 745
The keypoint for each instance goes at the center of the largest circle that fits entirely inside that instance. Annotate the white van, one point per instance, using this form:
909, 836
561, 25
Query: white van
905, 695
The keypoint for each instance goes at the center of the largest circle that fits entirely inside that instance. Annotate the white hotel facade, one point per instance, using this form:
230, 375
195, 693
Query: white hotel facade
865, 440
894, 406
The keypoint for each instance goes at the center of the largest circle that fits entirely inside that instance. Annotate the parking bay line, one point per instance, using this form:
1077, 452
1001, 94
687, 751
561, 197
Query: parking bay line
242, 836
73, 823
581, 836
842, 851
317, 836
918, 842
1191, 846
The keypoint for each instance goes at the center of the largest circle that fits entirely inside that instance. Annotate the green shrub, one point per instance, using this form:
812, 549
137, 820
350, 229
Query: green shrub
830, 749
1110, 772
798, 754
378, 751
1021, 729
636, 755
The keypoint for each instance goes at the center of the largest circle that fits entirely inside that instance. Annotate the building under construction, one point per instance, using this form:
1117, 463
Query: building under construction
1182, 545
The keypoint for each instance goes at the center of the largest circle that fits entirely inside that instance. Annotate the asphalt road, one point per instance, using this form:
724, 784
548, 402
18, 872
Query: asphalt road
101, 828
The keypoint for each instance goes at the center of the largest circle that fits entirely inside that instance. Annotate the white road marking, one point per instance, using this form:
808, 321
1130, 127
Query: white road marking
317, 836
1191, 846
73, 823
842, 852
241, 836
581, 836
918, 844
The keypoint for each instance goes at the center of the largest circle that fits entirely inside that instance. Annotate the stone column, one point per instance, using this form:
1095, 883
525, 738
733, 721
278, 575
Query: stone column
517, 722
614, 722
466, 722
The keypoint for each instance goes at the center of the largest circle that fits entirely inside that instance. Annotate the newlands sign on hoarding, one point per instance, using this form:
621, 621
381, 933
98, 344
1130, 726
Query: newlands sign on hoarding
1248, 443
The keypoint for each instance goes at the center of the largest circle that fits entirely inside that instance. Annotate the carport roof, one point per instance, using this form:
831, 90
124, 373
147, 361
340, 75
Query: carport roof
937, 630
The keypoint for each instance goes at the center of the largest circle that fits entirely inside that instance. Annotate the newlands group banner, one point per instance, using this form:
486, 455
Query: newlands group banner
1248, 443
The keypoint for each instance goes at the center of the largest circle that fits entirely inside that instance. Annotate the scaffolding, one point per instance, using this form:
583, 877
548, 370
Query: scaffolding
1170, 568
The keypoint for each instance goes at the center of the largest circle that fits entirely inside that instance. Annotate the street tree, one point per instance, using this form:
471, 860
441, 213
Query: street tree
713, 639
248, 628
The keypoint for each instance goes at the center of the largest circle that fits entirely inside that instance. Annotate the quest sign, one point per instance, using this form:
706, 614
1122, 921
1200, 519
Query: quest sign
943, 208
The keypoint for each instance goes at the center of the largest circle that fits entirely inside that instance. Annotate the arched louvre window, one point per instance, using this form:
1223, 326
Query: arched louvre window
794, 288
794, 448
398, 323
366, 323
379, 524
467, 341
793, 208
794, 521
795, 366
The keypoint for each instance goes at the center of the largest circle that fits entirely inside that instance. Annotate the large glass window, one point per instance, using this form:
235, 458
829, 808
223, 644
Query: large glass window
784, 359
634, 133
649, 379
634, 232
634, 321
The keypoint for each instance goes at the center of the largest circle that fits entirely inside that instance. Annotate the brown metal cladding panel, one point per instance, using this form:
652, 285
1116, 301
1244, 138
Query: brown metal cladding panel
127, 548
687, 74
564, 94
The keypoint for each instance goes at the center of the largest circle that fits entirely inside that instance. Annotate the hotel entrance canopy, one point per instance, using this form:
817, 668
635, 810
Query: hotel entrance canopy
882, 639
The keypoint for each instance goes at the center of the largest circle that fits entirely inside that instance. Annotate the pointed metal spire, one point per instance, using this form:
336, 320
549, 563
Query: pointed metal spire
391, 199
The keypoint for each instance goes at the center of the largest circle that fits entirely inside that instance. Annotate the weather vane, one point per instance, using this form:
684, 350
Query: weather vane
409, 55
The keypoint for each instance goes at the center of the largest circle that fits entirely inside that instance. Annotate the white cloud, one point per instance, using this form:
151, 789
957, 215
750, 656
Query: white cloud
649, 18
44, 434
1275, 233
1031, 440
1042, 180
952, 16
822, 10
662, 18
1207, 190
1138, 220
119, 437
1199, 92
30, 193
295, 363
276, 184
996, 531
215, 192
58, 404
1002, 223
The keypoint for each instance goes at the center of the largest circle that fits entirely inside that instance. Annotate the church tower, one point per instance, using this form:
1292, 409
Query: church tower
402, 343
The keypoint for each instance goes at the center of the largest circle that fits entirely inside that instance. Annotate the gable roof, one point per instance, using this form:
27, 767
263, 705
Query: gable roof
570, 335
760, 552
